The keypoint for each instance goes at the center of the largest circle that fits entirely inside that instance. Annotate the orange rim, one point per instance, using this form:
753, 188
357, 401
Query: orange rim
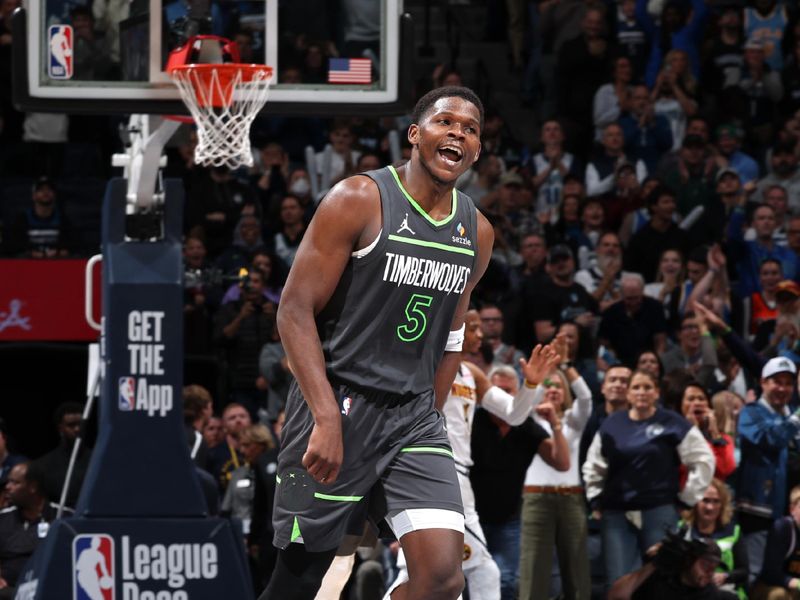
221, 95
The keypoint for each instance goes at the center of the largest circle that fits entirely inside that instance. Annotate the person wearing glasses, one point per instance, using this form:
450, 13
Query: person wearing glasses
712, 518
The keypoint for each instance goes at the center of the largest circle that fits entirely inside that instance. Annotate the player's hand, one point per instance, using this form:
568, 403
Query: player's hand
3, 583
323, 457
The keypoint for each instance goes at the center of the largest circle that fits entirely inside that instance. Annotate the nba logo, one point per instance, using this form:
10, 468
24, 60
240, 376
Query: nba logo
93, 567
347, 403
59, 65
127, 393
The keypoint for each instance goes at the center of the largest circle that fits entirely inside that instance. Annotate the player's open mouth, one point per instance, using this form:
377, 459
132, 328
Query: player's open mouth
452, 155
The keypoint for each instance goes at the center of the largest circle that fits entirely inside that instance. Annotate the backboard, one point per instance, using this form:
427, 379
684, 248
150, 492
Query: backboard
331, 57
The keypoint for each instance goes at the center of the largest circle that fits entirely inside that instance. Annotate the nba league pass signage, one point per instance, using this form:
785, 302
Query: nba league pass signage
103, 570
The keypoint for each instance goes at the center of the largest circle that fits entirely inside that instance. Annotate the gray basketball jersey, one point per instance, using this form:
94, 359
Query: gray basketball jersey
386, 326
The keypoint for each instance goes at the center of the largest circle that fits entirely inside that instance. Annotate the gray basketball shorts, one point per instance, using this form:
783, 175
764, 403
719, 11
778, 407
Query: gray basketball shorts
396, 457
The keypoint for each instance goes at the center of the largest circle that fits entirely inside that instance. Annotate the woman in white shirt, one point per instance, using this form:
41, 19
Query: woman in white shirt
553, 505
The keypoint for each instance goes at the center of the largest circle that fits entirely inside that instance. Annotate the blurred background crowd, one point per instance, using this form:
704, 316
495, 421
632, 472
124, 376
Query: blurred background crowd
643, 181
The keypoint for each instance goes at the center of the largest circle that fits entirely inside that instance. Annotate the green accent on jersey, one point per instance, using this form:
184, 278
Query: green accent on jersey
429, 450
295, 530
337, 498
437, 245
277, 478
413, 203
416, 320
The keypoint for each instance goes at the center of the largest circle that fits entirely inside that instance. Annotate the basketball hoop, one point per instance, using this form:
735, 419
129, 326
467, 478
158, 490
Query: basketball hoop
224, 99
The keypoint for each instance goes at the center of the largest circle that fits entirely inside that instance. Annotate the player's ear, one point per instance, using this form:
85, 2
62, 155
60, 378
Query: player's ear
477, 154
413, 134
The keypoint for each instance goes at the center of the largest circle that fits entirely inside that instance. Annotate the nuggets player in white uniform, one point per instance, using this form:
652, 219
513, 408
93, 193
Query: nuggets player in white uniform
470, 388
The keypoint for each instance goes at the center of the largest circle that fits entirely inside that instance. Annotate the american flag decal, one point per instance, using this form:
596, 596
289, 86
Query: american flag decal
349, 70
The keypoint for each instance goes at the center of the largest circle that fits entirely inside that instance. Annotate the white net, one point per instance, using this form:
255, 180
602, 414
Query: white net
223, 100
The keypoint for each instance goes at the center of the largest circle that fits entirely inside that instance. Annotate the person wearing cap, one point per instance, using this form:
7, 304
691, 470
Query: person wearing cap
42, 230
601, 169
784, 171
780, 577
729, 139
560, 298
766, 428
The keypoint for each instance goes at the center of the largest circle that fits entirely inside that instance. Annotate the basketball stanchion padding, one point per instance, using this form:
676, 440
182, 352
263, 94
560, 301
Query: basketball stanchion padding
224, 99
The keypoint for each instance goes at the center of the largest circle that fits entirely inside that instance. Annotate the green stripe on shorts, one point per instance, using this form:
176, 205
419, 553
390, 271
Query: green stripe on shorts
429, 450
330, 497
337, 498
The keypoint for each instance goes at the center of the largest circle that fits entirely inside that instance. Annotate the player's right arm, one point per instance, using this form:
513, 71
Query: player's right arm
348, 218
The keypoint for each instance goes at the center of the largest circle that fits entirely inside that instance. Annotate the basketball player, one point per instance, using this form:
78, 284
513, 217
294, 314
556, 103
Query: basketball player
364, 318
470, 388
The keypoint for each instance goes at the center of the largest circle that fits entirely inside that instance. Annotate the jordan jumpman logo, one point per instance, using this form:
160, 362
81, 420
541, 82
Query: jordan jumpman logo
404, 226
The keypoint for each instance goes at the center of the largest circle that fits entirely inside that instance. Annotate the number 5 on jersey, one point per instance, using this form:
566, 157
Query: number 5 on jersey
416, 321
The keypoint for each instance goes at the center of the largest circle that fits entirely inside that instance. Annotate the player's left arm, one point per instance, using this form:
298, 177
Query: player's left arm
448, 366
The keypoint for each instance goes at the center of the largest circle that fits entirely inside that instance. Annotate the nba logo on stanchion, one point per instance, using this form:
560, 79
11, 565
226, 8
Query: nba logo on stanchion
127, 393
59, 51
93, 567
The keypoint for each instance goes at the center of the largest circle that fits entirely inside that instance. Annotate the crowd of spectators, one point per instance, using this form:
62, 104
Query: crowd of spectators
653, 222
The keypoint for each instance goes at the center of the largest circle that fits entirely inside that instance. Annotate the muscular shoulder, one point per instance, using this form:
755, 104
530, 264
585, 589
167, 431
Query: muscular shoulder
351, 209
356, 194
